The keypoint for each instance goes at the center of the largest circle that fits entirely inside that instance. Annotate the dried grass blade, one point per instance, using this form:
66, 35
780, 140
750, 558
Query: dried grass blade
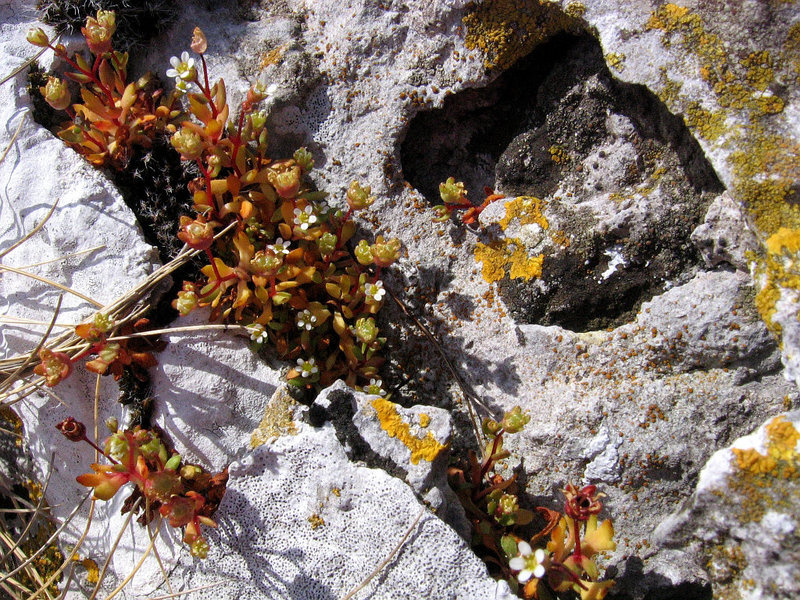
33, 231
11, 379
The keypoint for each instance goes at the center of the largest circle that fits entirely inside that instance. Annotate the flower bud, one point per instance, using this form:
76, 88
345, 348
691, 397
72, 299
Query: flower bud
188, 143
55, 366
196, 233
37, 37
98, 31
287, 183
112, 424
365, 330
186, 302
452, 192
327, 243
56, 93
514, 420
73, 430
385, 253
304, 158
363, 253
358, 197
266, 263
199, 43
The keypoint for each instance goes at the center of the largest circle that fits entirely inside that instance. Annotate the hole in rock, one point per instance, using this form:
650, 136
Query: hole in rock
622, 183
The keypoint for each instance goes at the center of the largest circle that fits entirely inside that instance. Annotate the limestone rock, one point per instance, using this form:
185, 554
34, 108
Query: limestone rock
299, 520
742, 517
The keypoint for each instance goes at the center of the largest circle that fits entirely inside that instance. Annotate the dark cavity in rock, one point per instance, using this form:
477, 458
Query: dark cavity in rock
621, 178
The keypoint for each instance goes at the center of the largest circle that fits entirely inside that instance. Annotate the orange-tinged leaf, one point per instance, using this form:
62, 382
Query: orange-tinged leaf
128, 98
234, 185
106, 73
246, 209
198, 105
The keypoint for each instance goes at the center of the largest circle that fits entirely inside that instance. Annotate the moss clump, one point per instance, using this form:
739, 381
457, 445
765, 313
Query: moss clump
137, 20
506, 30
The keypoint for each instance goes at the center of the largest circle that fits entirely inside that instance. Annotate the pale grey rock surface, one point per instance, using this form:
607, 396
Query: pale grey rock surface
300, 520
742, 518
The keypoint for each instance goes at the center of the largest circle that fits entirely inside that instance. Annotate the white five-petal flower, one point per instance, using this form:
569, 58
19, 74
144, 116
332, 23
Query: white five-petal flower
279, 247
374, 291
182, 68
307, 367
305, 217
258, 333
306, 320
528, 563
375, 388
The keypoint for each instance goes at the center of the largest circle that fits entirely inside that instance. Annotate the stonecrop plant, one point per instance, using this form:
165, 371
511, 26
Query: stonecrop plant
281, 265
112, 115
186, 495
558, 559
454, 198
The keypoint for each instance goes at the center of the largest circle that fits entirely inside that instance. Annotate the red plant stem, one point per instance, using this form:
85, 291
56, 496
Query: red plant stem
272, 287
577, 553
91, 75
207, 90
220, 279
237, 142
93, 349
207, 176
488, 464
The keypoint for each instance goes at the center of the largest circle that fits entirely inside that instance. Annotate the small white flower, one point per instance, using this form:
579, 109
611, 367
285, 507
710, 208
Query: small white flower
279, 247
182, 68
258, 333
182, 86
305, 217
375, 388
528, 563
307, 367
305, 320
374, 291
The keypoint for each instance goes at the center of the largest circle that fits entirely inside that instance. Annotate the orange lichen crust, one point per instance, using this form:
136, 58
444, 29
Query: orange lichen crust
768, 481
741, 115
509, 255
777, 272
392, 423
505, 30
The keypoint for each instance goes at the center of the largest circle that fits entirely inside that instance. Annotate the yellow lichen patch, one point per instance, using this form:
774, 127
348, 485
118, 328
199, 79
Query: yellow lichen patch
575, 9
392, 423
558, 155
505, 30
780, 269
277, 420
791, 50
509, 255
616, 61
316, 521
273, 56
708, 125
768, 481
424, 420
527, 209
737, 85
92, 570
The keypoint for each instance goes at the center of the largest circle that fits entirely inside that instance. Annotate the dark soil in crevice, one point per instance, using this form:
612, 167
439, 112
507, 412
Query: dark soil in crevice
536, 131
